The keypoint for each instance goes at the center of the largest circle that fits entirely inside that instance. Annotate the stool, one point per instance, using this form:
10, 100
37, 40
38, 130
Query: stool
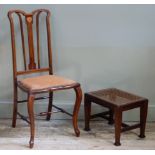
117, 101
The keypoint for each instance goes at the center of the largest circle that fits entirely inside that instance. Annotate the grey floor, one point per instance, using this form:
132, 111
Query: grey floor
59, 135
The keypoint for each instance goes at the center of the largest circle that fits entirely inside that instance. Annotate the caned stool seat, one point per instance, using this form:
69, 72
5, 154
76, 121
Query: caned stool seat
116, 101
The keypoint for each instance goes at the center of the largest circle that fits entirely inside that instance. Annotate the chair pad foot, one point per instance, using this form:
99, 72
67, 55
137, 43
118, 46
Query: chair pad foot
31, 144
77, 133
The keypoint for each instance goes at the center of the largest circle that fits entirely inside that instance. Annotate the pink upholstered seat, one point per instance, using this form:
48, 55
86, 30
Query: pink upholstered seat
44, 82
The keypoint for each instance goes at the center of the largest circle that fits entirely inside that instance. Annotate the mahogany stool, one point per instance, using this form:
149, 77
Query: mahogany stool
117, 101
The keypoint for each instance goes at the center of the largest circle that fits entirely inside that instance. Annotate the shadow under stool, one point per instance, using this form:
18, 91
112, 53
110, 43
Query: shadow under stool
117, 101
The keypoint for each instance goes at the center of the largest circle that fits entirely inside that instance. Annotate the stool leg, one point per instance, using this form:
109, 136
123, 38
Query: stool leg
111, 115
118, 122
87, 109
143, 117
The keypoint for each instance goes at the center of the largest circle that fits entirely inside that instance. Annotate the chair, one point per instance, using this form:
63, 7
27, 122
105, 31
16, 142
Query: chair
42, 83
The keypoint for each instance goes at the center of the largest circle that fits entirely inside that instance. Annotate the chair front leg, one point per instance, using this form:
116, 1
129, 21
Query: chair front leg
30, 105
78, 92
15, 106
50, 106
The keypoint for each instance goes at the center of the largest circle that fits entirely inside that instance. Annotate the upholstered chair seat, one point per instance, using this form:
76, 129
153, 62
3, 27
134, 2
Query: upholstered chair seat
45, 82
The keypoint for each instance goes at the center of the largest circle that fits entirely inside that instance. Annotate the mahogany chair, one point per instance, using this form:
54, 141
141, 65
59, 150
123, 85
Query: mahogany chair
42, 83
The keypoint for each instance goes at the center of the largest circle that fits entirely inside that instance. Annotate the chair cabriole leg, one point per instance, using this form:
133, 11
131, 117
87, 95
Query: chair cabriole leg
30, 105
78, 92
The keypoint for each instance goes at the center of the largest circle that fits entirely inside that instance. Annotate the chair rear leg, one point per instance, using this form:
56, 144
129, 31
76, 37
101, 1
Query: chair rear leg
78, 92
50, 106
30, 105
15, 107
